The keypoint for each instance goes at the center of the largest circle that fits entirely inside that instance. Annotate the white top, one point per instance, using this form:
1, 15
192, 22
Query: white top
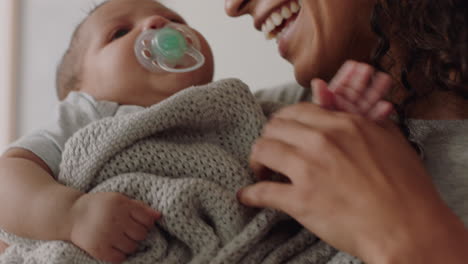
75, 112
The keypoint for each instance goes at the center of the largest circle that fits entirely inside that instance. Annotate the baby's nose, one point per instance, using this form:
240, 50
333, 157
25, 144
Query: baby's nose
154, 22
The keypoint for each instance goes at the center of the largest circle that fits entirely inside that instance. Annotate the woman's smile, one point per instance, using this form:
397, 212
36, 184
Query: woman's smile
279, 23
279, 18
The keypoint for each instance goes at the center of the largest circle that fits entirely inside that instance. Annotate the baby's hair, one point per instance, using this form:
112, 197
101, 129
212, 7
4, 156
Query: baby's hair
68, 76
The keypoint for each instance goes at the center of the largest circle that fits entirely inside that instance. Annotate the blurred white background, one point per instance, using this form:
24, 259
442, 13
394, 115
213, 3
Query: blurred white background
8, 9
45, 27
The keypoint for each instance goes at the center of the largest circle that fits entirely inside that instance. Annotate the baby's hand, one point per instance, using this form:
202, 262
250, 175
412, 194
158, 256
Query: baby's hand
108, 226
357, 89
3, 246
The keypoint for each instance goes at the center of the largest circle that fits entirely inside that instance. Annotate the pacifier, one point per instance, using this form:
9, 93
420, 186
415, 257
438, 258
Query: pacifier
172, 48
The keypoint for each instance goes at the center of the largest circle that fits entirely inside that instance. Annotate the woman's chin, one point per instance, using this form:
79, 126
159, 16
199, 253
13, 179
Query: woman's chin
303, 81
304, 73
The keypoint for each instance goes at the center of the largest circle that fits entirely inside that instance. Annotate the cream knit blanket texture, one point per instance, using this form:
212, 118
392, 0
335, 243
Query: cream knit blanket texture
185, 157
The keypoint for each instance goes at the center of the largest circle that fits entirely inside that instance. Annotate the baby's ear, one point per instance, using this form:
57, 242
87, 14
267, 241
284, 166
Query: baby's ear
321, 95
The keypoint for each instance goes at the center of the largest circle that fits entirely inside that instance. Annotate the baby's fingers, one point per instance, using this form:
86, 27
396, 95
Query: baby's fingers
321, 95
144, 214
110, 254
3, 246
352, 80
136, 231
380, 111
125, 244
381, 85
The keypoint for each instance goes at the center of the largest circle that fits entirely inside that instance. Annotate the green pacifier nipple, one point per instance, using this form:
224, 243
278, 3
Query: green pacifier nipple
173, 48
170, 44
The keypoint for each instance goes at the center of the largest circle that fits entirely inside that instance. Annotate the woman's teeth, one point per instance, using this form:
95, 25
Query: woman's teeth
275, 23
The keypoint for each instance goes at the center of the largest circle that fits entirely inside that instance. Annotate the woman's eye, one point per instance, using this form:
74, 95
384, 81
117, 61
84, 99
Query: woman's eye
120, 33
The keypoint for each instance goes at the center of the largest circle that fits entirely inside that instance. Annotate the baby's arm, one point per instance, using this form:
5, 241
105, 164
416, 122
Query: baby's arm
34, 205
357, 88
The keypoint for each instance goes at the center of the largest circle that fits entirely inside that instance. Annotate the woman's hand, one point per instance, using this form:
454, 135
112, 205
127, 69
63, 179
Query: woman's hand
357, 185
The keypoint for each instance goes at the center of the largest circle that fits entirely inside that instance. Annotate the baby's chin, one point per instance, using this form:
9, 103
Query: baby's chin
197, 78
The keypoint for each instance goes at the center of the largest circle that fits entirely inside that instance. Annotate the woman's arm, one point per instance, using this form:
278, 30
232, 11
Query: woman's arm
32, 202
357, 185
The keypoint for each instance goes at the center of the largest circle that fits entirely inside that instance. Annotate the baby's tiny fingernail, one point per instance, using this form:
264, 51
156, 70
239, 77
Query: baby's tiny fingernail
157, 215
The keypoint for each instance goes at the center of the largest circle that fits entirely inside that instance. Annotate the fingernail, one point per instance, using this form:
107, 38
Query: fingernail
254, 148
157, 215
350, 62
239, 194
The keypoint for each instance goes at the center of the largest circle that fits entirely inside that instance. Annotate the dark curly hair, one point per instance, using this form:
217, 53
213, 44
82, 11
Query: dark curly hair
432, 39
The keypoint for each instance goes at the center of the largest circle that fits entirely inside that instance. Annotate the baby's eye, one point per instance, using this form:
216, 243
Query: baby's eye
120, 33
177, 20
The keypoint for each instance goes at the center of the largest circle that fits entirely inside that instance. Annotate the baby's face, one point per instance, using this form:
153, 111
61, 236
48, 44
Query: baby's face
110, 69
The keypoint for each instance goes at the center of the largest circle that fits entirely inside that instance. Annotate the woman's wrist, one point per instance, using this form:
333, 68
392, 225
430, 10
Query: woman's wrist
441, 239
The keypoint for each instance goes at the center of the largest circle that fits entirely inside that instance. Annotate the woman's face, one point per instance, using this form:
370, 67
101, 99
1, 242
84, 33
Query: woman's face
316, 36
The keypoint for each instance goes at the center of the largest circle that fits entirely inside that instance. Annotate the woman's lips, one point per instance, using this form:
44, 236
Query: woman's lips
277, 18
284, 37
281, 23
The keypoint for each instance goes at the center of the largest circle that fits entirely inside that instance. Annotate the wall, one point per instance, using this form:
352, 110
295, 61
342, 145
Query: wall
239, 50
8, 13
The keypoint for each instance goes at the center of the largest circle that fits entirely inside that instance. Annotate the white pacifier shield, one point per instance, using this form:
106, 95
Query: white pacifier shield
154, 62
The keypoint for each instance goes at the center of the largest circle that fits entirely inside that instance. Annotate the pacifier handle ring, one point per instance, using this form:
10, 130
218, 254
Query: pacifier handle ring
189, 33
149, 63
195, 54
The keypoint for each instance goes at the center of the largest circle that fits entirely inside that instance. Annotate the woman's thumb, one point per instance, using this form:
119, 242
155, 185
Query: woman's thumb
267, 195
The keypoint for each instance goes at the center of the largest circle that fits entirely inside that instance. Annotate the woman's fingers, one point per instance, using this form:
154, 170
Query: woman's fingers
304, 139
267, 194
316, 132
280, 157
261, 171
323, 122
305, 113
346, 174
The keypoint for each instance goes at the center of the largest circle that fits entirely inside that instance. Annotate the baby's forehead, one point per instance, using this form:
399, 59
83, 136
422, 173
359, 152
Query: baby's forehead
117, 8
110, 12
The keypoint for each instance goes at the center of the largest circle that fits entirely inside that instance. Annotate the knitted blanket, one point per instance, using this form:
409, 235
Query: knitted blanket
185, 157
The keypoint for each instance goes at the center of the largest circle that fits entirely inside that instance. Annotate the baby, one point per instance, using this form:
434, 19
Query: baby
100, 77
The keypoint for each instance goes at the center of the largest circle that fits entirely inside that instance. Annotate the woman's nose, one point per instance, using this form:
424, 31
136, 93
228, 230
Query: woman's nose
236, 8
154, 22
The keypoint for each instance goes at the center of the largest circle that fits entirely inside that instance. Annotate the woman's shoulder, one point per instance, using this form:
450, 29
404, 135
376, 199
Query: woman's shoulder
288, 93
